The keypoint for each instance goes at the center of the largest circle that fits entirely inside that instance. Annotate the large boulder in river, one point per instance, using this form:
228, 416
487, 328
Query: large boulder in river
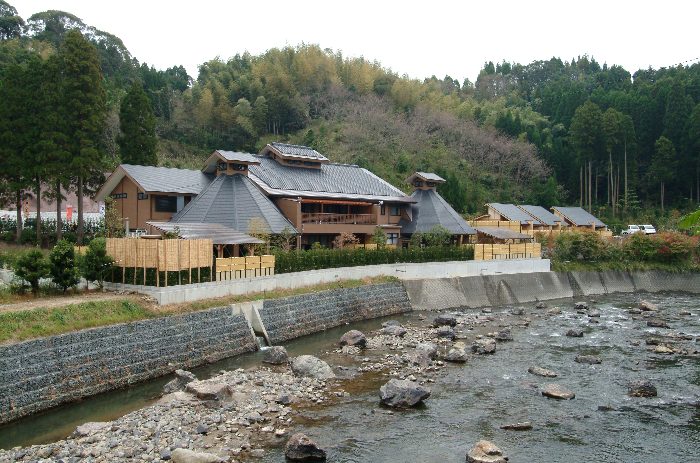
182, 379
646, 306
428, 348
556, 391
484, 346
313, 367
575, 333
539, 371
276, 355
190, 456
504, 335
657, 323
301, 448
444, 319
581, 305
457, 353
446, 332
641, 388
394, 330
399, 393
354, 338
486, 452
588, 359
209, 390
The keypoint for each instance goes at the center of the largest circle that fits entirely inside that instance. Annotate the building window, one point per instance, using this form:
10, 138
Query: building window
383, 208
395, 210
119, 196
418, 183
142, 195
392, 238
165, 203
430, 184
239, 167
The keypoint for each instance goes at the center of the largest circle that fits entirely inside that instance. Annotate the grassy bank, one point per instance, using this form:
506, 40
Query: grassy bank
39, 322
601, 266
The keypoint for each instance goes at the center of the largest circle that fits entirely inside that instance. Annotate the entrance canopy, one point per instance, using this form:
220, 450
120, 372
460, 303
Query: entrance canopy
219, 234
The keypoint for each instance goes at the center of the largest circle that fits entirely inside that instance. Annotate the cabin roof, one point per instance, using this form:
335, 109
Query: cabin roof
430, 210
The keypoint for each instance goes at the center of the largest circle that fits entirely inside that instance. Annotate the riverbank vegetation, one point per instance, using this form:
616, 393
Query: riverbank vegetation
669, 251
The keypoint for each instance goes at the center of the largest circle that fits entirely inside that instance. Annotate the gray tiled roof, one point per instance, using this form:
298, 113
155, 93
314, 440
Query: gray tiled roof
430, 176
512, 212
298, 151
542, 214
330, 178
431, 210
219, 234
503, 233
234, 156
579, 216
167, 179
233, 200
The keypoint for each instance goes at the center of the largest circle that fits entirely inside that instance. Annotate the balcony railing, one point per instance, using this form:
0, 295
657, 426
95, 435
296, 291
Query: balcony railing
358, 219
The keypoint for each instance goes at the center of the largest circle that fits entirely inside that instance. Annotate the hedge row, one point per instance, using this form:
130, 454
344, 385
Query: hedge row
314, 259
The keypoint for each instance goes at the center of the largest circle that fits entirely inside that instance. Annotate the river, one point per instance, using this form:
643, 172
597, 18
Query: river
472, 401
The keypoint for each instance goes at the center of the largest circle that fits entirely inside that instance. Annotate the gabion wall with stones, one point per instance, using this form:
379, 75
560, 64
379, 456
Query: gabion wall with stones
42, 373
296, 316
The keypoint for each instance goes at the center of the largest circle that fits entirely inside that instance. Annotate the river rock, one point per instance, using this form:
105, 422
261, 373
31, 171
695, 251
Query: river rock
588, 359
540, 305
446, 332
641, 388
524, 426
209, 390
391, 323
418, 358
182, 378
554, 311
457, 353
313, 367
594, 313
575, 333
486, 452
647, 306
539, 371
394, 330
428, 348
354, 338
484, 346
504, 335
301, 448
190, 456
657, 323
90, 428
276, 355
556, 391
517, 311
663, 349
581, 305
401, 393
444, 319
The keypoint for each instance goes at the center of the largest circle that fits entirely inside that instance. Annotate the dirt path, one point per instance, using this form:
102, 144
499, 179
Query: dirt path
60, 301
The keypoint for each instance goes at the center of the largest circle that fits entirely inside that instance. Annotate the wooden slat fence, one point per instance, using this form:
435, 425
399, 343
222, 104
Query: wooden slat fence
231, 268
161, 255
507, 251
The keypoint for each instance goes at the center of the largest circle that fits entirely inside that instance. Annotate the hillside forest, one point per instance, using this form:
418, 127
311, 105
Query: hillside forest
75, 103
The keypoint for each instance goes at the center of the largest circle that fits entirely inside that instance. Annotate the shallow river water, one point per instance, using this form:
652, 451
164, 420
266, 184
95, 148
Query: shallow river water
472, 401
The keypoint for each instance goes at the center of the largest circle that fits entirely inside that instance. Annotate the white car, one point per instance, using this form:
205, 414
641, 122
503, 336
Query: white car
632, 229
648, 229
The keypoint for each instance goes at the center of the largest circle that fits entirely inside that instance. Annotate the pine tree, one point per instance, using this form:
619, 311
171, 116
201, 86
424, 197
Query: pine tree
137, 141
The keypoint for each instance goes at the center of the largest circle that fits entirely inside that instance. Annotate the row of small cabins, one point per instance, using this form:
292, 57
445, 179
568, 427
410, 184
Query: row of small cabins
295, 189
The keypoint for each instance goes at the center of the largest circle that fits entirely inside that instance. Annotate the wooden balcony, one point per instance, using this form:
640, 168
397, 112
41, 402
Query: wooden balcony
327, 218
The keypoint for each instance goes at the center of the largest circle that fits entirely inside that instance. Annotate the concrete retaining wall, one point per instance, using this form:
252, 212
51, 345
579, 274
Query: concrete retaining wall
429, 270
296, 316
42, 373
480, 291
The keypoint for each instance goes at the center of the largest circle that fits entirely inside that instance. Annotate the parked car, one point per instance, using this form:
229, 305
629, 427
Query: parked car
631, 230
648, 229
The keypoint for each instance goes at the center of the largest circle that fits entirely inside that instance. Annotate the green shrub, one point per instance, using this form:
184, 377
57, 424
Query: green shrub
579, 245
64, 268
96, 264
31, 266
314, 259
665, 247
28, 236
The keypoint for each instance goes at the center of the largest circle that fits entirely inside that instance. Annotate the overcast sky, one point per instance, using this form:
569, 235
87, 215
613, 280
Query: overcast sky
431, 38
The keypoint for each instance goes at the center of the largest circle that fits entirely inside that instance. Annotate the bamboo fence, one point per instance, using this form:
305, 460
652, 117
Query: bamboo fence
162, 255
231, 268
507, 251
